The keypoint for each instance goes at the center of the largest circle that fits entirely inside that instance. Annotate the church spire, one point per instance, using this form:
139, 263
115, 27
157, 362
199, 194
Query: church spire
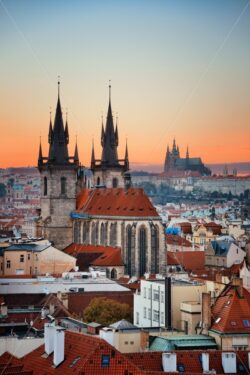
187, 153
116, 132
40, 154
76, 156
102, 134
126, 161
58, 137
109, 151
50, 136
93, 156
66, 131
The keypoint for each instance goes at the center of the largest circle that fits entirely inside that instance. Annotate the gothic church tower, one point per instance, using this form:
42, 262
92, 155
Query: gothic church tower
58, 174
110, 170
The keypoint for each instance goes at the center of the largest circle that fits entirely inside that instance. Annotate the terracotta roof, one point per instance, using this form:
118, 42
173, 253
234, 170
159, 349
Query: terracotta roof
115, 202
151, 362
83, 354
174, 239
95, 255
231, 311
213, 227
190, 260
186, 228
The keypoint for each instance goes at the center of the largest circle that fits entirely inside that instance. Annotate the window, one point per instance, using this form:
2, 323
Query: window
246, 323
126, 342
155, 295
144, 292
137, 318
162, 317
105, 360
162, 296
36, 257
149, 314
63, 185
8, 264
144, 312
156, 315
21, 258
131, 342
45, 186
28, 256
149, 293
180, 367
115, 183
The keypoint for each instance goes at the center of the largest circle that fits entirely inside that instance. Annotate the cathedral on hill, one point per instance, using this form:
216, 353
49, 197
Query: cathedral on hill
174, 162
107, 212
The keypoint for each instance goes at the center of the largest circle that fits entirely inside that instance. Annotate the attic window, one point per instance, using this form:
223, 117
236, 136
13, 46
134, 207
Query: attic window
180, 367
105, 360
218, 320
246, 323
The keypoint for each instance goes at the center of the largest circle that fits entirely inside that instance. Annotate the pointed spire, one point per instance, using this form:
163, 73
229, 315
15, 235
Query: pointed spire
187, 153
50, 136
174, 146
109, 150
93, 156
126, 156
66, 131
116, 132
40, 154
76, 156
102, 134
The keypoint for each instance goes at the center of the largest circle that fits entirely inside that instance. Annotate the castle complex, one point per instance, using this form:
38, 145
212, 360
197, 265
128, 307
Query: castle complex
174, 163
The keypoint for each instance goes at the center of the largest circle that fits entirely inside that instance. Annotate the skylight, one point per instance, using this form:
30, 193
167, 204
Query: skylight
218, 320
246, 323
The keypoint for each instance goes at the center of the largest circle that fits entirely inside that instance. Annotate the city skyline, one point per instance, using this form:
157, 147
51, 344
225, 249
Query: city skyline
177, 70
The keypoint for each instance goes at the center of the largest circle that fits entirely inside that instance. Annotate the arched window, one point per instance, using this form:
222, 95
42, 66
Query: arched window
113, 234
63, 185
76, 232
114, 182
102, 239
154, 249
113, 274
129, 250
93, 234
45, 186
85, 233
142, 251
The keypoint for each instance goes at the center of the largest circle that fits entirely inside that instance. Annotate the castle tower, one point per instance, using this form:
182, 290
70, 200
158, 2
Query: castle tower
110, 170
58, 174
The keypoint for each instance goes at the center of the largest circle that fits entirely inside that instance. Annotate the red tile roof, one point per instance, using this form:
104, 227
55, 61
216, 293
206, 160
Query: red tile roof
190, 260
174, 239
97, 255
213, 227
115, 202
231, 311
83, 354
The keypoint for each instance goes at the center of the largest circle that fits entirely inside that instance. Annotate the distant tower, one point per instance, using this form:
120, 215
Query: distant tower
187, 158
109, 170
225, 171
58, 174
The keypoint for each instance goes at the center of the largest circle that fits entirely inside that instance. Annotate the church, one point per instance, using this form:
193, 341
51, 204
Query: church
174, 162
106, 212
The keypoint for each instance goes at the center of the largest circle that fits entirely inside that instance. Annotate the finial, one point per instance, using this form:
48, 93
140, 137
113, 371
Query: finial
110, 90
58, 83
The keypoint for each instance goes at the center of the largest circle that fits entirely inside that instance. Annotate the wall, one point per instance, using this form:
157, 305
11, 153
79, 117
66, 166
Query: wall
19, 347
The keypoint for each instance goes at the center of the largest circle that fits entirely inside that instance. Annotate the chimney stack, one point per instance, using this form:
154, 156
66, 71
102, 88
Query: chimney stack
229, 363
205, 362
49, 338
59, 338
169, 362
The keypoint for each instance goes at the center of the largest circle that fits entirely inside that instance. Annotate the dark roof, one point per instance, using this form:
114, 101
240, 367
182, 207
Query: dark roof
221, 247
28, 247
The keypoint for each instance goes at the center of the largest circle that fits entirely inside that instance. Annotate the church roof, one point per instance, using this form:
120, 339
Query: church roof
132, 202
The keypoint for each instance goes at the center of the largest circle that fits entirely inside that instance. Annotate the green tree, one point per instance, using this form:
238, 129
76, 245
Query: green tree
2, 190
106, 311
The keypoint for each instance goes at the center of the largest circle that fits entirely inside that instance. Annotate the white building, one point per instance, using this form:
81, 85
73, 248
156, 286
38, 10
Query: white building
159, 303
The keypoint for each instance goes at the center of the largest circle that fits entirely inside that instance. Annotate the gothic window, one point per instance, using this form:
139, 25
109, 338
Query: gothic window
142, 250
94, 233
45, 186
113, 234
154, 249
102, 239
85, 233
129, 250
114, 182
63, 185
76, 232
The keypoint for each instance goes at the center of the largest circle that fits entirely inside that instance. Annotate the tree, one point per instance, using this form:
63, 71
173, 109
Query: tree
2, 190
106, 311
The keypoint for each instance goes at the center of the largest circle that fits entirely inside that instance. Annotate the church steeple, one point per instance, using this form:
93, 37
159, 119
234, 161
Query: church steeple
126, 160
40, 154
58, 137
116, 132
109, 143
76, 156
92, 164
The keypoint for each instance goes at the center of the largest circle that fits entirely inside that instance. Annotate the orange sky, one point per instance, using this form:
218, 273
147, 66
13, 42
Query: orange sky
176, 71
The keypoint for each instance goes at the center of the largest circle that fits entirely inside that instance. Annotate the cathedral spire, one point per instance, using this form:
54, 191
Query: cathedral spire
102, 134
66, 131
93, 156
126, 161
40, 154
58, 137
50, 135
109, 150
76, 156
116, 132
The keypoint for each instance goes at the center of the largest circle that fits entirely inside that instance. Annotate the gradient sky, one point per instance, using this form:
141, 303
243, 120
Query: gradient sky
178, 68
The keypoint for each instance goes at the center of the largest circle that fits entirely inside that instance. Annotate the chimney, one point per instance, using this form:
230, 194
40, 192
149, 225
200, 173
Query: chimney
238, 283
229, 363
49, 338
205, 362
206, 311
169, 362
59, 337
